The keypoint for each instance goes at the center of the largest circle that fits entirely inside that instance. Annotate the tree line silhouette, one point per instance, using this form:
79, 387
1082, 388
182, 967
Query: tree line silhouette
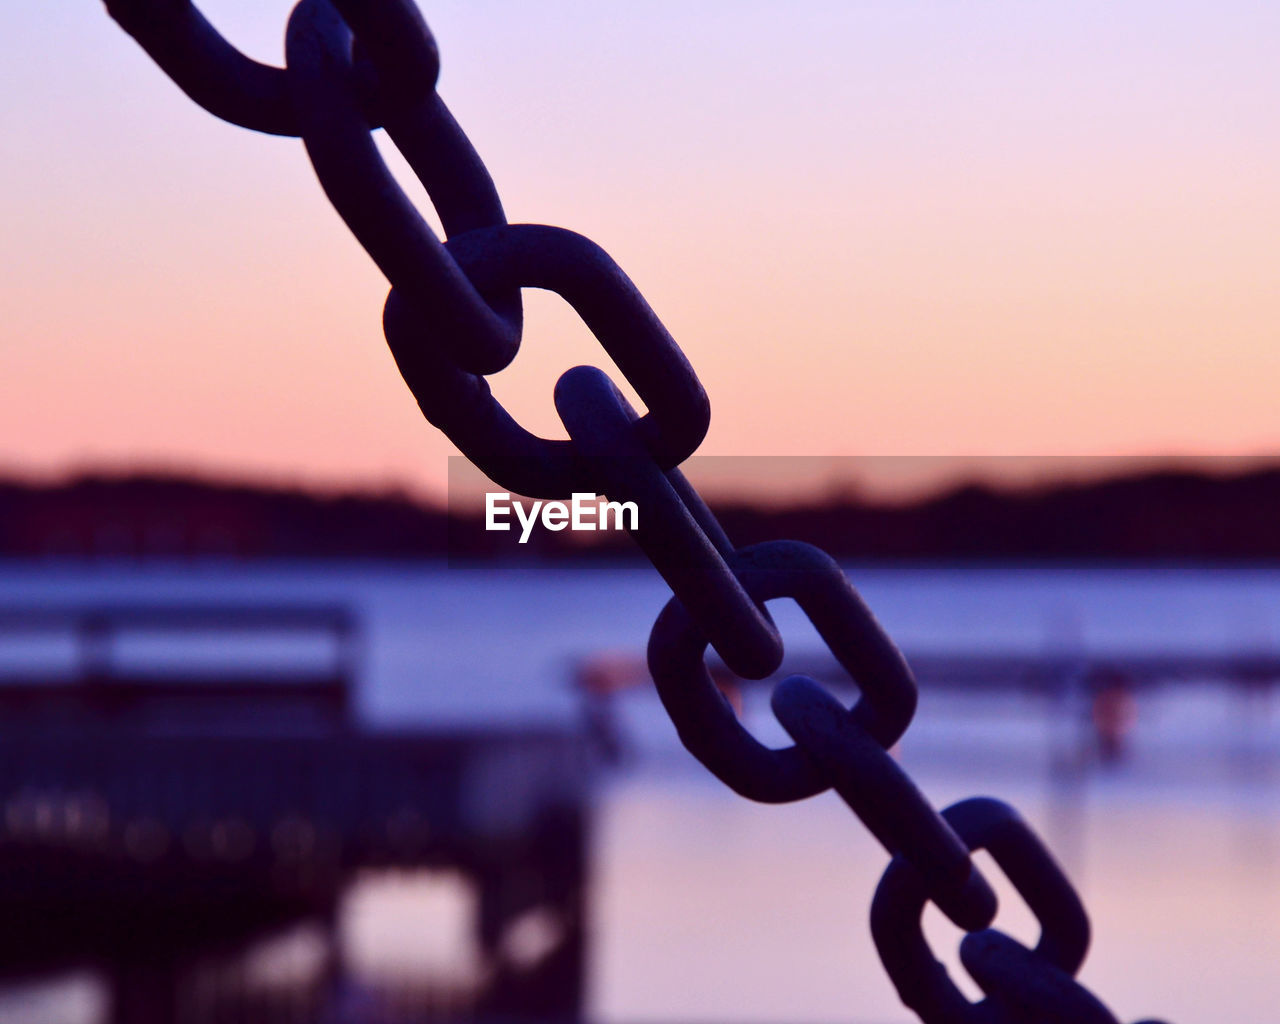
1168, 516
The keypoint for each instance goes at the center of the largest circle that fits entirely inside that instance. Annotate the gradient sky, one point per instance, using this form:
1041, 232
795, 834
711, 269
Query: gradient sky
875, 228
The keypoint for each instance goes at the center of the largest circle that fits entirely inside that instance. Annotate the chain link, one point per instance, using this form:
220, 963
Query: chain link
453, 315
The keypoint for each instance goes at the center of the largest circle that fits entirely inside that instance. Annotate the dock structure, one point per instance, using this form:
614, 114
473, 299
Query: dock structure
1092, 691
1047, 673
164, 802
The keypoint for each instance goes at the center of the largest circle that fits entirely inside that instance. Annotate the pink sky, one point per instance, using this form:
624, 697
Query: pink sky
880, 228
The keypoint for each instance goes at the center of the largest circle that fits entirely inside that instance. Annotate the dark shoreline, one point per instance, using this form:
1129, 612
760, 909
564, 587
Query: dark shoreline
1173, 517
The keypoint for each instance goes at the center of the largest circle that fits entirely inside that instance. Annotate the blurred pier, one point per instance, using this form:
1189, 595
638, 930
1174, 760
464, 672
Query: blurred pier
179, 783
1092, 692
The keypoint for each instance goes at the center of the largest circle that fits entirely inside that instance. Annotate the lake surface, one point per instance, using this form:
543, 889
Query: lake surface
710, 908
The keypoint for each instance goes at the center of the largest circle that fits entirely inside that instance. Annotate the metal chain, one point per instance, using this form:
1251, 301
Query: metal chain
453, 315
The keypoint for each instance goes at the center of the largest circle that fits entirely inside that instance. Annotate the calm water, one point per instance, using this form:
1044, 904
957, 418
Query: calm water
710, 908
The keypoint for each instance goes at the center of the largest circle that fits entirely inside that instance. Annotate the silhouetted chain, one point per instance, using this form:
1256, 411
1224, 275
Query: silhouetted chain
453, 315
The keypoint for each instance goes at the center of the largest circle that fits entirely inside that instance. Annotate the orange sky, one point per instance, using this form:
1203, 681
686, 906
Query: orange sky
875, 229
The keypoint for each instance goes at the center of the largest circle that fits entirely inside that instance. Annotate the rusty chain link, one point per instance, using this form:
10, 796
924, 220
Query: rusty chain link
453, 315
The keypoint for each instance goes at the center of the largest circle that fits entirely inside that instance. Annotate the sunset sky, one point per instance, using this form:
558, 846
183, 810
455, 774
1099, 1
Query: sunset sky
875, 228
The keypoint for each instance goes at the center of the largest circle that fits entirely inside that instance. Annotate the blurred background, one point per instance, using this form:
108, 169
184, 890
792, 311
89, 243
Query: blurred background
985, 298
